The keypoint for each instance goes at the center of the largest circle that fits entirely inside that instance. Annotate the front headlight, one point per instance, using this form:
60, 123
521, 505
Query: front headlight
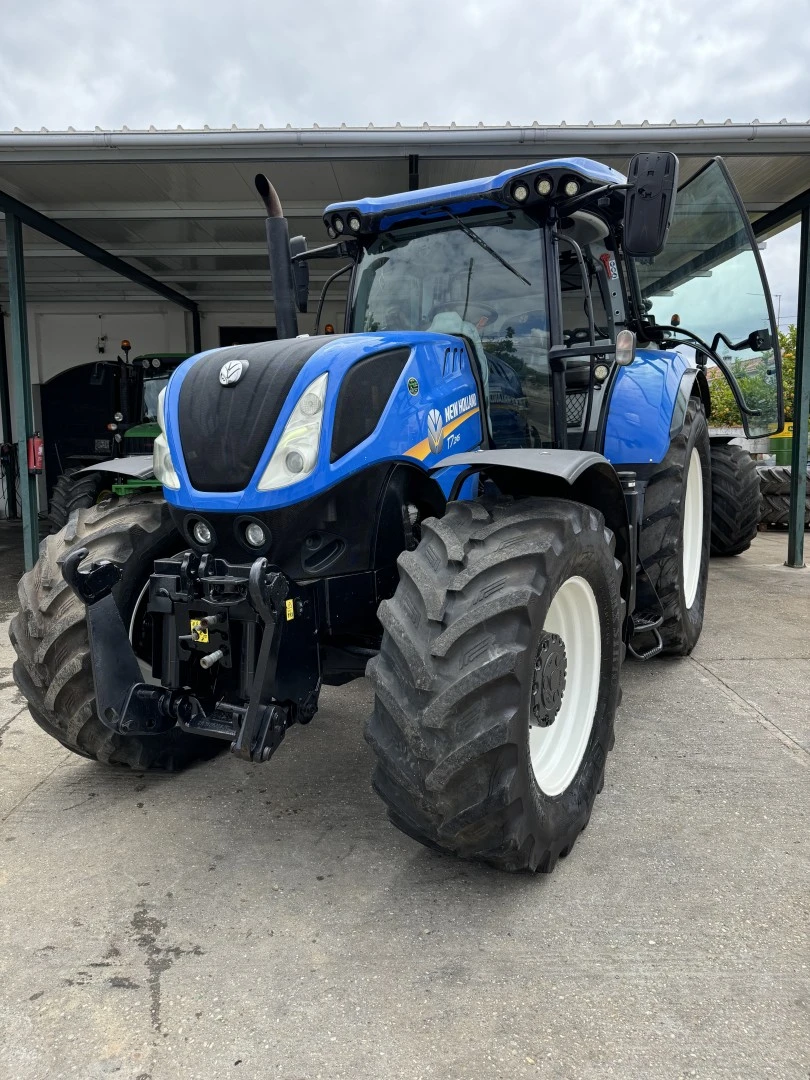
296, 455
161, 457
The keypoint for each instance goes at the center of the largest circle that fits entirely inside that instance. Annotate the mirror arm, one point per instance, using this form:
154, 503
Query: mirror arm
709, 351
344, 249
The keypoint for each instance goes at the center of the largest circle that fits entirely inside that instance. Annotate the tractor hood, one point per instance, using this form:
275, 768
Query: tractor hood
372, 398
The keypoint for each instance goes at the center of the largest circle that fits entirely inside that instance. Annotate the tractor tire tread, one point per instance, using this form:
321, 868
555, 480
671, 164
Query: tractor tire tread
49, 634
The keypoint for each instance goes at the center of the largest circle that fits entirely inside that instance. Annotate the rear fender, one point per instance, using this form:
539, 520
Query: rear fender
581, 476
647, 406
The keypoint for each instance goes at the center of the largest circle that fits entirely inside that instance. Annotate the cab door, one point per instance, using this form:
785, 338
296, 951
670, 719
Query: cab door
709, 280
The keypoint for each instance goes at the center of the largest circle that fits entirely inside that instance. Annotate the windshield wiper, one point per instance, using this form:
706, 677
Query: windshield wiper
482, 243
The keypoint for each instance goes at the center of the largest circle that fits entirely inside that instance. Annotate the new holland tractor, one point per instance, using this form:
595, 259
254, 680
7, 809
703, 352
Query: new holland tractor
495, 483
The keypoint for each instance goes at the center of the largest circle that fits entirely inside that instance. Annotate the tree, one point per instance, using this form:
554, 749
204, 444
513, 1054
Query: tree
754, 385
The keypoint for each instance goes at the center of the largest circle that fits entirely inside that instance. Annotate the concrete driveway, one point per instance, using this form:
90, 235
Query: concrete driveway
258, 922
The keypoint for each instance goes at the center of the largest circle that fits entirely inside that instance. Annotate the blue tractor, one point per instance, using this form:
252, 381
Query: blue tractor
495, 483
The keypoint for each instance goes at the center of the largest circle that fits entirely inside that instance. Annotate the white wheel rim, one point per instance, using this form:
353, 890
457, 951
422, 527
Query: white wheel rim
556, 751
692, 529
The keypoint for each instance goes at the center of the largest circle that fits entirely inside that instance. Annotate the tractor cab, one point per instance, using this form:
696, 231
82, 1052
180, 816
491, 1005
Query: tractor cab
539, 269
150, 374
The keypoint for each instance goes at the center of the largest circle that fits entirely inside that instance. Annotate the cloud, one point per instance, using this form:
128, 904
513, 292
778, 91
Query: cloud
88, 62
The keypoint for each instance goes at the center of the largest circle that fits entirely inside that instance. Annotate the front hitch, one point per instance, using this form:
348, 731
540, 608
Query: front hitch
125, 704
128, 706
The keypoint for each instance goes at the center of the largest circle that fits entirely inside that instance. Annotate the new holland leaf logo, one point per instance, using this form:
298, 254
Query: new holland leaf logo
231, 373
435, 429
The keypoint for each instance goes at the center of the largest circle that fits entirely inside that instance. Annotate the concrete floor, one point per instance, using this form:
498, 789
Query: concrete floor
268, 922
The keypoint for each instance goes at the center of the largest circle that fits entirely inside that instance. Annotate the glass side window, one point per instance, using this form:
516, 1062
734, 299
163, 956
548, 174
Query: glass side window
709, 280
151, 392
436, 277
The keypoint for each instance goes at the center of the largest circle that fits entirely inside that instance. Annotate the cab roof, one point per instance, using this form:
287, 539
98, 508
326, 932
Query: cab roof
496, 191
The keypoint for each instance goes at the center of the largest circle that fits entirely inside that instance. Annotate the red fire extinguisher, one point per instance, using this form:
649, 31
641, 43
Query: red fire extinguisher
35, 454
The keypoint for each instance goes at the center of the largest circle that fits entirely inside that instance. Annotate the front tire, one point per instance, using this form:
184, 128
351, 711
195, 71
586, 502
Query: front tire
676, 532
497, 682
49, 634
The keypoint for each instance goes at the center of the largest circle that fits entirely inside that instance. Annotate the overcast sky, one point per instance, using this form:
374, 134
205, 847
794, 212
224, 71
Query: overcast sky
111, 63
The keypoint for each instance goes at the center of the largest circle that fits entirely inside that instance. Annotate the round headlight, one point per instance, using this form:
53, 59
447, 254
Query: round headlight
202, 533
331, 232
294, 462
337, 223
310, 405
543, 186
118, 417
571, 188
144, 363
601, 372
155, 362
254, 534
354, 222
520, 192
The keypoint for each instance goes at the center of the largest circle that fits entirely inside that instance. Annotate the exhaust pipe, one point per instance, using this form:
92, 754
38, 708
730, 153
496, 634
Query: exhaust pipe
279, 255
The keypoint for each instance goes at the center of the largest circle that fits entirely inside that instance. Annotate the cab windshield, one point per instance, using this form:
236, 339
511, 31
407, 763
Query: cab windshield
435, 276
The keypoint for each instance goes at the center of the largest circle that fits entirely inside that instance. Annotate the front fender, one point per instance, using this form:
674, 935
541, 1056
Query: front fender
578, 475
647, 404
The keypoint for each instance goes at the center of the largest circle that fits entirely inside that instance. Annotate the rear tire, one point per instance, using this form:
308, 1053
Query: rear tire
676, 531
75, 490
735, 499
774, 485
478, 605
49, 634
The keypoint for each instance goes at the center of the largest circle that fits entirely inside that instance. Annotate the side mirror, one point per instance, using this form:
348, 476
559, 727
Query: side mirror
300, 267
649, 203
759, 341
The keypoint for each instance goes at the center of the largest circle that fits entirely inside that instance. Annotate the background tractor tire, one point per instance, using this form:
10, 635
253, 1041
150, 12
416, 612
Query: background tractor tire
735, 499
676, 532
49, 634
471, 624
774, 487
75, 490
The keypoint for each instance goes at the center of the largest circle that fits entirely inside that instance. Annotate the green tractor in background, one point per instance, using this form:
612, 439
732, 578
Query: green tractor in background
87, 479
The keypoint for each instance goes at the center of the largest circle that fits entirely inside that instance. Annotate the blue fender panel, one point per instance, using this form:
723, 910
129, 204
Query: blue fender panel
642, 406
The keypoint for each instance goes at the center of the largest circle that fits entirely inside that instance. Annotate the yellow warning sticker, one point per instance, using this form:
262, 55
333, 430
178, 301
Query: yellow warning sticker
199, 633
290, 608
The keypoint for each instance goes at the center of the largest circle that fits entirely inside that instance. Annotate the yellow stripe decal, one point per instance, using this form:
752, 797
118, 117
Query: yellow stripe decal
422, 449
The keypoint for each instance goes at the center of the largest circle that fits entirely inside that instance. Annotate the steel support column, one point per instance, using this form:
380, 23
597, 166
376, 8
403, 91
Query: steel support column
196, 335
413, 172
801, 404
5, 415
23, 407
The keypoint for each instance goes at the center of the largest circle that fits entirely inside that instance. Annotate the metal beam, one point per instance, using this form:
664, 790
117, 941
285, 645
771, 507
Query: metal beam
20, 212
801, 405
23, 406
127, 211
783, 216
5, 415
317, 144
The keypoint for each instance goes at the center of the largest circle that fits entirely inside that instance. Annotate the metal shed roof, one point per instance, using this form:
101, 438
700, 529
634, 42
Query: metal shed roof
180, 204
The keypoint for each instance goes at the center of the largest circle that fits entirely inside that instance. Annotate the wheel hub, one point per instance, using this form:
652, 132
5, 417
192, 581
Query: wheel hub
548, 686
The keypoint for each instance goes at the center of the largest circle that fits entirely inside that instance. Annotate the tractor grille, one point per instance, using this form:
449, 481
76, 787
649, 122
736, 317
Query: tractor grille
575, 408
224, 429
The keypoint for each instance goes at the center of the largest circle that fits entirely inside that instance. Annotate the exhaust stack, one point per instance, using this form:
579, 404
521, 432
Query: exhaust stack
279, 255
